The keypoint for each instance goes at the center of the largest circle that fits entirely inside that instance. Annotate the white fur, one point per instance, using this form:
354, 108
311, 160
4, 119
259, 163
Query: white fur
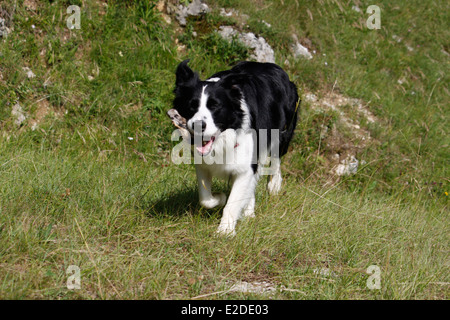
246, 118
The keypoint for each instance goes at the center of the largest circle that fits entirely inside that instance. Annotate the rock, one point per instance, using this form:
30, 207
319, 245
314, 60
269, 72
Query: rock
268, 25
262, 51
30, 73
356, 8
228, 13
195, 8
227, 32
241, 18
310, 97
348, 166
30, 5
166, 18
18, 114
298, 50
397, 38
4, 30
160, 6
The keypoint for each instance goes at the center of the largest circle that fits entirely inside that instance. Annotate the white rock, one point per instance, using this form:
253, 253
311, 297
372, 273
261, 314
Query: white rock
18, 113
30, 73
347, 166
195, 8
298, 50
225, 13
267, 24
227, 32
4, 30
310, 97
356, 8
262, 51
397, 38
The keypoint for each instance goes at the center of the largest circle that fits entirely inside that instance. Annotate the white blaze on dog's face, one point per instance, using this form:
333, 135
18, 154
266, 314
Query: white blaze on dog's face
202, 126
203, 116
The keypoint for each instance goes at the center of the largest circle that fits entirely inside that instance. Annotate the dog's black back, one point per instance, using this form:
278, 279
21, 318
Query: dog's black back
271, 97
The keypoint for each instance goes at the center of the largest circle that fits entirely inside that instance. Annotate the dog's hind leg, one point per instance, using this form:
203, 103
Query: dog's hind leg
274, 183
207, 198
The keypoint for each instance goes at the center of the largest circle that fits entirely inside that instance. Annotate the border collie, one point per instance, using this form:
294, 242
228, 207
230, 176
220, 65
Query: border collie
249, 112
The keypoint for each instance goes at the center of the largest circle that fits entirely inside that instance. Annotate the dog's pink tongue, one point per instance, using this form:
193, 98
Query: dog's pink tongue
206, 148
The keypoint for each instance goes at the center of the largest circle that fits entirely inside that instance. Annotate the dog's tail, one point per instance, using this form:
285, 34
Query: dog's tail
288, 133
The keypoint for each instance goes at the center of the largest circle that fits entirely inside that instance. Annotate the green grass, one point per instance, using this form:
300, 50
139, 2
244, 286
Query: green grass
79, 191
137, 231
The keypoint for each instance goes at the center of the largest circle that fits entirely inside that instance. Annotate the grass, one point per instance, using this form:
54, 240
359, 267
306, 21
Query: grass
93, 184
138, 233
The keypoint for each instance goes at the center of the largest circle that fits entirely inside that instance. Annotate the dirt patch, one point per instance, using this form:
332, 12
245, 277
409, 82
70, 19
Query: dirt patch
347, 108
30, 5
83, 50
349, 136
43, 109
6, 17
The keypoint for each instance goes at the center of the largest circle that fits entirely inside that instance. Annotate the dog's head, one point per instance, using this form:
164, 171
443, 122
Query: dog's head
210, 107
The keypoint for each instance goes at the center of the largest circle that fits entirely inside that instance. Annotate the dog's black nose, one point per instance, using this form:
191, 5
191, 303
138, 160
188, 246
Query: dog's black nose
199, 124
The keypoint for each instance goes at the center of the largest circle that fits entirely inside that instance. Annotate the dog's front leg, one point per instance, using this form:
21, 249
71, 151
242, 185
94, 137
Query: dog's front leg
206, 197
242, 194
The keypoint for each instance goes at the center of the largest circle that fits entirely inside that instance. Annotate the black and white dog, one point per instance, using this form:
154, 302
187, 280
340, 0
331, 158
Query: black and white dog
249, 111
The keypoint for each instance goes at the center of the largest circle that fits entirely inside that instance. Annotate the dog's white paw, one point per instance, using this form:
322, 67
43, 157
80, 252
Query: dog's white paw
217, 199
249, 213
249, 210
274, 185
226, 230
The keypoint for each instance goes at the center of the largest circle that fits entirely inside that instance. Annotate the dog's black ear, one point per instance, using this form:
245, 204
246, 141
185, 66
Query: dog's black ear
234, 84
235, 92
185, 75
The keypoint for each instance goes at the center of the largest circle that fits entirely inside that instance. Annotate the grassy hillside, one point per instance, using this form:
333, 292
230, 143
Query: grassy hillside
86, 178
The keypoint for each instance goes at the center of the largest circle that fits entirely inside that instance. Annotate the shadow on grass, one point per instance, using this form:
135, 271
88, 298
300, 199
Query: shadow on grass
177, 204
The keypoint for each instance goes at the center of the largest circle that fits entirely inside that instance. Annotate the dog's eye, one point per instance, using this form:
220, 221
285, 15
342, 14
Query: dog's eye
193, 104
212, 104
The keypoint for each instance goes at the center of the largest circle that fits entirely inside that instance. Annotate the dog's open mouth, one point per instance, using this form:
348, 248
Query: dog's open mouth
205, 147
